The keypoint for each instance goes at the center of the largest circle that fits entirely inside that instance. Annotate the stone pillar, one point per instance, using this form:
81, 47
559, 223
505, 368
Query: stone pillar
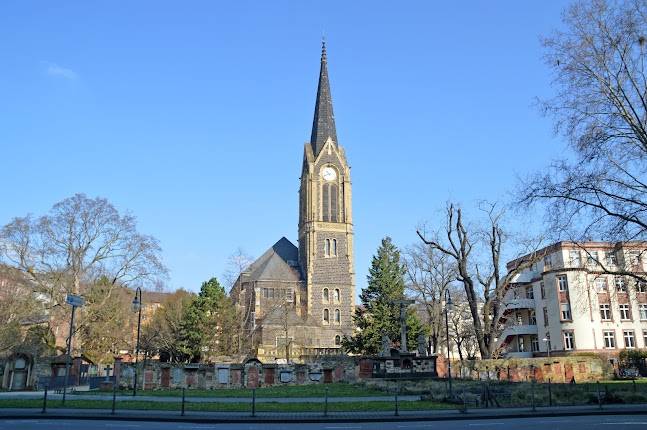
117, 371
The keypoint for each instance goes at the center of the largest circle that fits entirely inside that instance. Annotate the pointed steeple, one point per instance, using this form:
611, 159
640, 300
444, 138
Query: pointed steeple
323, 125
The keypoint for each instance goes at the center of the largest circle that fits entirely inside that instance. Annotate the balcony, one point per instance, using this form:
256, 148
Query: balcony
517, 354
517, 330
520, 304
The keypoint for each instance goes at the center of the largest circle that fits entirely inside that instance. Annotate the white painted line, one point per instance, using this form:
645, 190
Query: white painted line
339, 428
626, 423
485, 424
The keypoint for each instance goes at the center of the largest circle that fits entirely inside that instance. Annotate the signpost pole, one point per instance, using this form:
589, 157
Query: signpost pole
68, 360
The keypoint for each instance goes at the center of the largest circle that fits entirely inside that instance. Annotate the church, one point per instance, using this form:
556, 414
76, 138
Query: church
298, 302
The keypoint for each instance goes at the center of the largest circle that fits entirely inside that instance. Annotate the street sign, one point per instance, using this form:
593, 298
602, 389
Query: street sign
75, 301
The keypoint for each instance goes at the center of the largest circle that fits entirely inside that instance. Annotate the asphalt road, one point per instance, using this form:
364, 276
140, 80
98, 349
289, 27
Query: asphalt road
557, 423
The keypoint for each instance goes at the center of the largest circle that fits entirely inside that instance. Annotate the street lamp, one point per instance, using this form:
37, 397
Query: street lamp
448, 306
137, 307
547, 340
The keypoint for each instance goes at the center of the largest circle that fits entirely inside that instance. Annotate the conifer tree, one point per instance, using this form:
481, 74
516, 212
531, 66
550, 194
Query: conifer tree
379, 315
209, 321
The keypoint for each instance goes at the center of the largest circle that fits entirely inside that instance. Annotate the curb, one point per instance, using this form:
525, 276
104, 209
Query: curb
313, 419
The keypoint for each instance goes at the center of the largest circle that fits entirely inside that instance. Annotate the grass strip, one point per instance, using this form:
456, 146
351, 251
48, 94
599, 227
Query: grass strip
228, 407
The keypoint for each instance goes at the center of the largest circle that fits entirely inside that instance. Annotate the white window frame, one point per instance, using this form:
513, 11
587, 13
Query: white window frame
562, 283
629, 338
642, 311
609, 339
569, 340
605, 312
625, 311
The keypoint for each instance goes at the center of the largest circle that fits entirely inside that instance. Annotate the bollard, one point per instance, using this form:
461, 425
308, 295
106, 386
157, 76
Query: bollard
183, 399
44, 400
326, 403
114, 398
532, 395
253, 402
550, 394
397, 412
599, 396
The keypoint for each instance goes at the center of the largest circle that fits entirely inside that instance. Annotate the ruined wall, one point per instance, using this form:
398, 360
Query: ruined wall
557, 369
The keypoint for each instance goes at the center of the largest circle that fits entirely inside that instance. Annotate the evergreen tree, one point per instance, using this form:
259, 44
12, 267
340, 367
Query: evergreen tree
209, 321
379, 315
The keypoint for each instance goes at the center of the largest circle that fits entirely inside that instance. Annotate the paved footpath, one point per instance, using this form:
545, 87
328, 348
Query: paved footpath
191, 399
301, 417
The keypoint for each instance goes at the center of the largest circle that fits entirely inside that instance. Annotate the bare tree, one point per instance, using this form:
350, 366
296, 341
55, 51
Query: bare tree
242, 295
598, 63
429, 274
485, 284
80, 241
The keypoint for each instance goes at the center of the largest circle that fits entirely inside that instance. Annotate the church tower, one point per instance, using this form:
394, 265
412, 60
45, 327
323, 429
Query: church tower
326, 254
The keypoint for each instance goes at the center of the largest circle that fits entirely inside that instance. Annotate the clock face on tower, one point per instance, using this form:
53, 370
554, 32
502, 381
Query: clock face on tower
329, 174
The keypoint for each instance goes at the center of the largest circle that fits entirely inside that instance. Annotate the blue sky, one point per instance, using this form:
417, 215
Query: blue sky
193, 115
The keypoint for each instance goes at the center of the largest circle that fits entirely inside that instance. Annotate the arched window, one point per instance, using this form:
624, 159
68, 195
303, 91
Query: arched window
338, 340
326, 316
334, 247
327, 248
336, 296
326, 297
329, 202
337, 316
325, 202
334, 199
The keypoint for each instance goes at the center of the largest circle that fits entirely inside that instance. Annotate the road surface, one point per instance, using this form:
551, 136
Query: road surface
557, 423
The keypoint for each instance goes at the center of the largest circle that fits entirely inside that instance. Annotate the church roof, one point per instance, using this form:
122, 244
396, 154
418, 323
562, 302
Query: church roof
323, 124
279, 263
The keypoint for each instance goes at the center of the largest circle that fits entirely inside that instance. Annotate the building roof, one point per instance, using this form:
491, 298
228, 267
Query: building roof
279, 263
323, 124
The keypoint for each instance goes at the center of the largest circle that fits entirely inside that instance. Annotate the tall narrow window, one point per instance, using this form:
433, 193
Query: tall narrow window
338, 340
334, 199
609, 339
542, 289
562, 282
330, 202
565, 312
327, 248
630, 340
337, 316
569, 340
624, 312
325, 202
605, 312
326, 297
336, 295
326, 316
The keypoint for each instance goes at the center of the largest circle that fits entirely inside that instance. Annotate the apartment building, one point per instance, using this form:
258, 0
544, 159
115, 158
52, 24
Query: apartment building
580, 297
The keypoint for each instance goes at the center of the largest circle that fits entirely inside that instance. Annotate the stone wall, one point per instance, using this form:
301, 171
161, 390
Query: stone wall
557, 369
251, 374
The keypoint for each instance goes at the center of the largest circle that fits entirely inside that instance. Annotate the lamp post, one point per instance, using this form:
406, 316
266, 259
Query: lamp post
137, 307
547, 340
448, 307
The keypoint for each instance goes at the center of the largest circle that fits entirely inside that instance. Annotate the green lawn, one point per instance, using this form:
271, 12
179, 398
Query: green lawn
229, 407
314, 390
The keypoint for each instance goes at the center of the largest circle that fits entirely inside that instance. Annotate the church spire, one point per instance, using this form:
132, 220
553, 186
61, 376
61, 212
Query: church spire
323, 125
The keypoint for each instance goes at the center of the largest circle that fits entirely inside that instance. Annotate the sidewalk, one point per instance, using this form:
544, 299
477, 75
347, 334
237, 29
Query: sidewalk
31, 395
268, 417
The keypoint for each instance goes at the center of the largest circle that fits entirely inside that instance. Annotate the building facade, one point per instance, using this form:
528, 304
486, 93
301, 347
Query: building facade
299, 301
580, 297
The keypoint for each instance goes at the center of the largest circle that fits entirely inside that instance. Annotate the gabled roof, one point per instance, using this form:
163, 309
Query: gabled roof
279, 263
323, 124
